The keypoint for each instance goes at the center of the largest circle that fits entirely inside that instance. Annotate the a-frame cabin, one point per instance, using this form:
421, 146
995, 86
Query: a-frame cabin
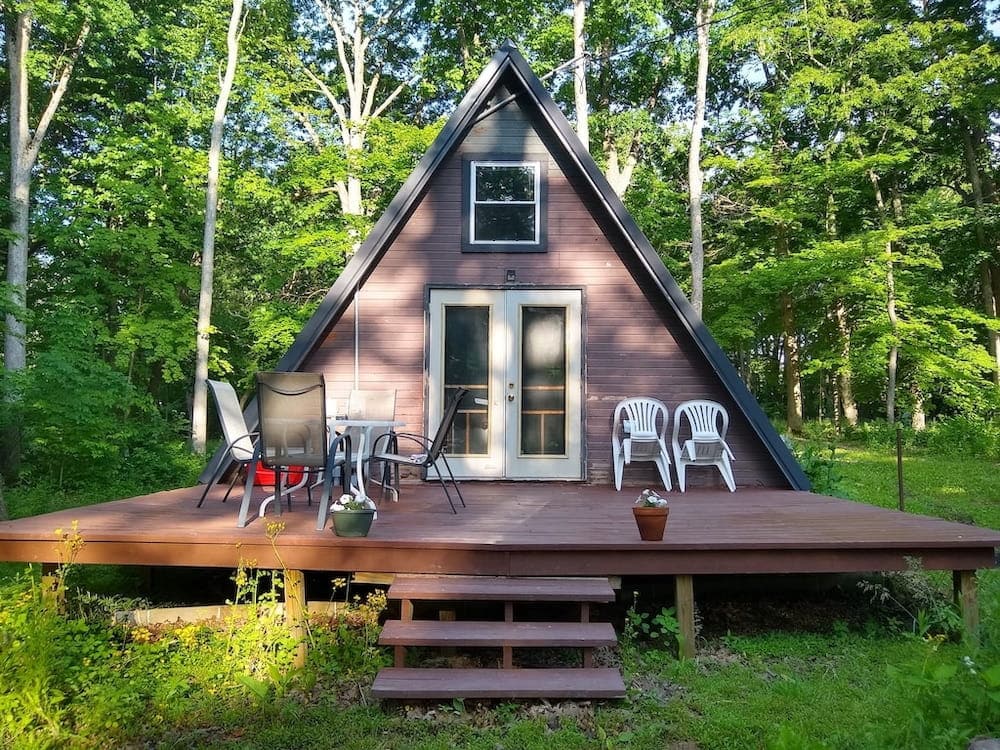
508, 265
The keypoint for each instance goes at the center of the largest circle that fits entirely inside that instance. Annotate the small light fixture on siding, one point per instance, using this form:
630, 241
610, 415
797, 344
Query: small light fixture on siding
511, 275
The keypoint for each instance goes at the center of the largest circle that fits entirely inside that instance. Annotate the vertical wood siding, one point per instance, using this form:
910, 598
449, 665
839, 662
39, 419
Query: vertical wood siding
633, 343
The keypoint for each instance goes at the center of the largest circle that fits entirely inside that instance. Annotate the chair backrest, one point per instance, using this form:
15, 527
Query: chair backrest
371, 405
292, 409
447, 420
642, 414
704, 418
234, 426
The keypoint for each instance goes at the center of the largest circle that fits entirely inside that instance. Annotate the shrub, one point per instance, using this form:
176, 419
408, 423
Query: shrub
968, 436
819, 464
956, 435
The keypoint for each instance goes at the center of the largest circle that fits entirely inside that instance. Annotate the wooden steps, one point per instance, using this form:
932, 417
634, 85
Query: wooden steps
444, 684
586, 681
487, 634
491, 588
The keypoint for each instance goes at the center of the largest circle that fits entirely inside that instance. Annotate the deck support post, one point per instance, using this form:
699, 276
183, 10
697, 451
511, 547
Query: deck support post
295, 612
405, 614
507, 653
967, 599
684, 602
588, 653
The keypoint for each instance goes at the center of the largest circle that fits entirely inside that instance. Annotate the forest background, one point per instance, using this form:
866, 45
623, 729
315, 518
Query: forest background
850, 207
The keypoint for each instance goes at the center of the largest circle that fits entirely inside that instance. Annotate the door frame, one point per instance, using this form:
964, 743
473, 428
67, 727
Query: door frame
497, 466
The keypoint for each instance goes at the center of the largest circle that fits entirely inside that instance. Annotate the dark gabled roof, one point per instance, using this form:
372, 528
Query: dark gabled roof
508, 61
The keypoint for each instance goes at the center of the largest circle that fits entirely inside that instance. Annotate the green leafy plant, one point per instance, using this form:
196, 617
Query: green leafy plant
914, 594
821, 467
660, 627
954, 699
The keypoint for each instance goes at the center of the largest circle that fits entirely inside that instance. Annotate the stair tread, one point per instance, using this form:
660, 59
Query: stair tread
414, 683
497, 634
487, 588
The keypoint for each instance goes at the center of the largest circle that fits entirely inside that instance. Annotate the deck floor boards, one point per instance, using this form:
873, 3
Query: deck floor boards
517, 529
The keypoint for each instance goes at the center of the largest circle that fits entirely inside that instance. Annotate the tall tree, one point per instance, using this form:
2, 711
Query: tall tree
696, 178
361, 32
199, 419
580, 72
25, 145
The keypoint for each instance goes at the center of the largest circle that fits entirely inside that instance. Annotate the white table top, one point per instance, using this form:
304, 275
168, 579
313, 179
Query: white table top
348, 422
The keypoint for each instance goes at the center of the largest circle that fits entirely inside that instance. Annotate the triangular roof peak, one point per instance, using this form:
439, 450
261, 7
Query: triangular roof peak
509, 60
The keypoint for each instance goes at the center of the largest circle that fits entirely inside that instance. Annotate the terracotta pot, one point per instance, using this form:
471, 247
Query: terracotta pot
651, 522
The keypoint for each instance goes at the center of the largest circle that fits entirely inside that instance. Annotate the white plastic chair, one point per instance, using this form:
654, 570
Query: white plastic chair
707, 445
639, 434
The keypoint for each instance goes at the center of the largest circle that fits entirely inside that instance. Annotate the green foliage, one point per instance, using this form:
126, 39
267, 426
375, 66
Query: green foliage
958, 435
820, 466
659, 628
68, 679
954, 698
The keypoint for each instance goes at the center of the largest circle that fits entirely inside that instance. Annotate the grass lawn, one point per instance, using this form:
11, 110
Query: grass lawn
955, 488
847, 674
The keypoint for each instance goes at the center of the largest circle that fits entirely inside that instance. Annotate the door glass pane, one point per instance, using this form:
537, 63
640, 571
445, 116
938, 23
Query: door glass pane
543, 381
466, 365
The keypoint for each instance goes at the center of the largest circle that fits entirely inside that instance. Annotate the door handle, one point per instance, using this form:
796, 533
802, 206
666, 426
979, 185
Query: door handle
510, 396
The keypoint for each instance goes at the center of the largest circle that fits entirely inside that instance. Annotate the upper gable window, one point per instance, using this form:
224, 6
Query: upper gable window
505, 200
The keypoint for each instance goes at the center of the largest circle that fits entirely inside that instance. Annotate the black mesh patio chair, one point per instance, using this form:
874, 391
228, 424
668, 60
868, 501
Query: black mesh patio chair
240, 442
433, 455
293, 433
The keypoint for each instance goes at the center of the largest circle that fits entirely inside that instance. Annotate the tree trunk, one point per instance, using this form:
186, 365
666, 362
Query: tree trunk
18, 41
845, 381
918, 420
988, 271
844, 401
619, 171
24, 148
890, 306
696, 177
353, 40
580, 72
199, 416
790, 345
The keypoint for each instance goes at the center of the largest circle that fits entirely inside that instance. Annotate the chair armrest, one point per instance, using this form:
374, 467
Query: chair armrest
421, 440
345, 440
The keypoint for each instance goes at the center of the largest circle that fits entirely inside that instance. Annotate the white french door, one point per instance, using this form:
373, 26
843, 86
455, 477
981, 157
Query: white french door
518, 353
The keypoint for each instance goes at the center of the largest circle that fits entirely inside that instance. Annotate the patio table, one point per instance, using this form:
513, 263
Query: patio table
364, 449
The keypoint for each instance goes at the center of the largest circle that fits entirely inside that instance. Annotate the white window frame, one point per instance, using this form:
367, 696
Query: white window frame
537, 202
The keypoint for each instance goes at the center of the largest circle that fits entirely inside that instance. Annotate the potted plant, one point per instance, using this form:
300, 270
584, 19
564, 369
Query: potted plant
650, 511
352, 516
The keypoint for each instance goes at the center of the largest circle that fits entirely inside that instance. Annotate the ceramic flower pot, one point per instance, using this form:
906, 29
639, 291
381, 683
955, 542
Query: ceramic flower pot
352, 522
651, 522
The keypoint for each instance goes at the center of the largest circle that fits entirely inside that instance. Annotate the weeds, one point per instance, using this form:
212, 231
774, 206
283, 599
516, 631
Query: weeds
662, 628
914, 593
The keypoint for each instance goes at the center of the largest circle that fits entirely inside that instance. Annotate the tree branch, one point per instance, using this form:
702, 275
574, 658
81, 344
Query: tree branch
31, 152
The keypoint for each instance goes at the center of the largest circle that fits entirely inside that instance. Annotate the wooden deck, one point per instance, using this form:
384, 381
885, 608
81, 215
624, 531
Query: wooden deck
526, 529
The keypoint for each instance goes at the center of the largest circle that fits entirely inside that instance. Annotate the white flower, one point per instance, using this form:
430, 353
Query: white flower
650, 499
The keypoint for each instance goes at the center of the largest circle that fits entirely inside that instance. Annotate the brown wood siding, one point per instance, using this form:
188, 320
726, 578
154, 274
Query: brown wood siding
633, 343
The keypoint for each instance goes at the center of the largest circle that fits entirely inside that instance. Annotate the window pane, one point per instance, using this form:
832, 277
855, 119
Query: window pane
466, 365
499, 223
513, 183
543, 381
